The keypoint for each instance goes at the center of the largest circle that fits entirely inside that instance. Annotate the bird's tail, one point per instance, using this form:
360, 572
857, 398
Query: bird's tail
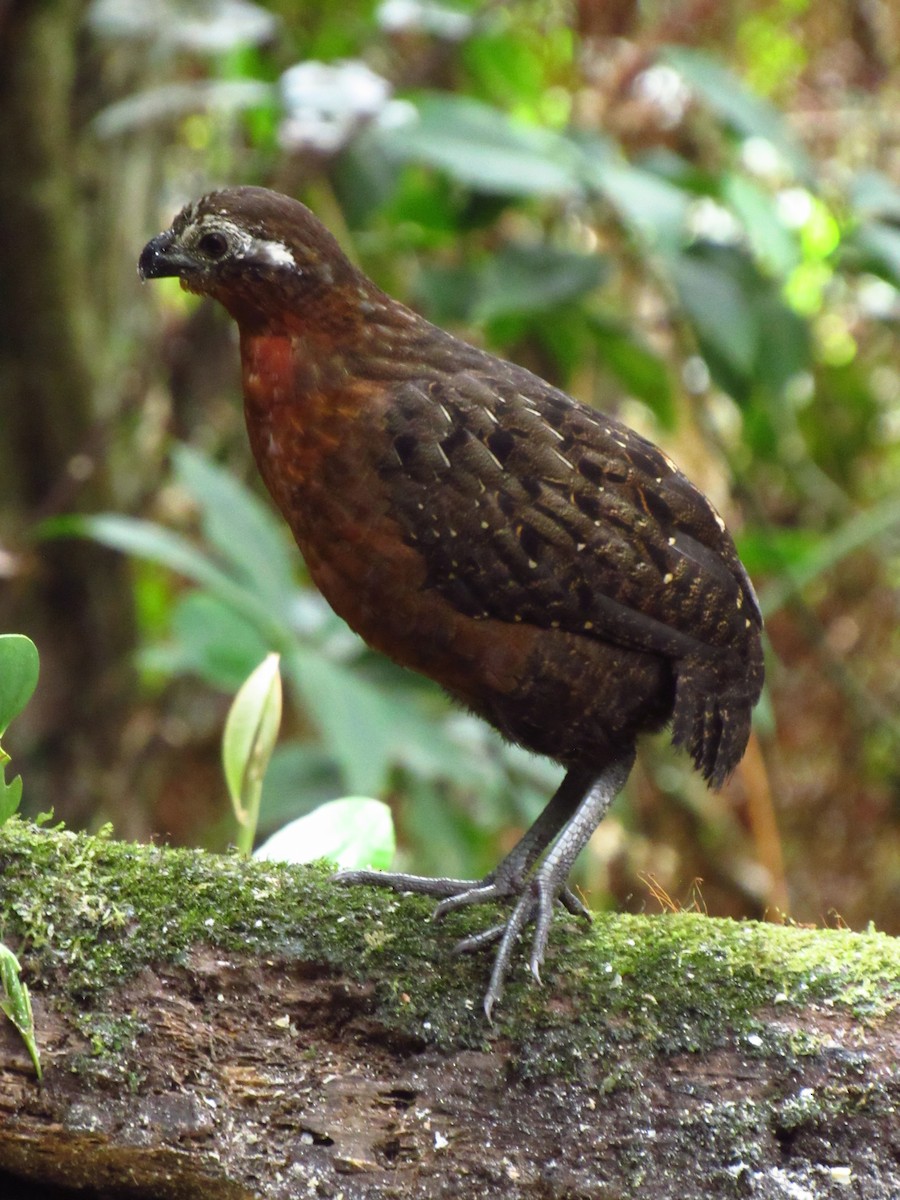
713, 704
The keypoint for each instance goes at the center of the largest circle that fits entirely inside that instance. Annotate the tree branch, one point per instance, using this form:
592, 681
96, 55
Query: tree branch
209, 1026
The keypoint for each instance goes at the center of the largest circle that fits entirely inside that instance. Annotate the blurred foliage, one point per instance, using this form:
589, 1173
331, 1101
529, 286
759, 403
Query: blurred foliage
689, 214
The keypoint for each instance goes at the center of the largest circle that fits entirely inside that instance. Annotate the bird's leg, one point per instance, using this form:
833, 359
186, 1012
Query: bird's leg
509, 877
548, 882
506, 879
565, 826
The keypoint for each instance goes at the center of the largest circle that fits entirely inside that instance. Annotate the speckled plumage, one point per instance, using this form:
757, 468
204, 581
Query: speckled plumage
548, 566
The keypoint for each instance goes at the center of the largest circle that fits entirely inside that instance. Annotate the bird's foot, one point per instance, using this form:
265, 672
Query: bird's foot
534, 899
533, 876
420, 885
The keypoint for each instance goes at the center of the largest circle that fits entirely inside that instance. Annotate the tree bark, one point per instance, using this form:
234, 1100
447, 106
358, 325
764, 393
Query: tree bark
72, 598
210, 1027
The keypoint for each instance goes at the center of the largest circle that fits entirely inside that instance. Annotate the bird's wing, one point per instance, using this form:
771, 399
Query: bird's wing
529, 507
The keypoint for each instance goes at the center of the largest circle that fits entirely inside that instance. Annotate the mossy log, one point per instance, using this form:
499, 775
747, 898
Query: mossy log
212, 1027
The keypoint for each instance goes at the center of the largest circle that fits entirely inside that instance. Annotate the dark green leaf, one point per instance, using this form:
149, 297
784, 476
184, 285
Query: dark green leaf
535, 279
745, 331
785, 347
448, 294
877, 244
712, 286
641, 372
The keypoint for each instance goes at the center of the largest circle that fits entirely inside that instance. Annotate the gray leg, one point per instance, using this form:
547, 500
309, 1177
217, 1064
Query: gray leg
507, 878
565, 826
548, 883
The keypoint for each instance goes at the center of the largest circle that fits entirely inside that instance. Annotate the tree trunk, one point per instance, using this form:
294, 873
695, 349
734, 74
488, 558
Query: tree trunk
72, 598
211, 1027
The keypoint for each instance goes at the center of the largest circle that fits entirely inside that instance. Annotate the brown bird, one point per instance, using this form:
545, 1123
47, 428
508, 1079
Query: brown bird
550, 568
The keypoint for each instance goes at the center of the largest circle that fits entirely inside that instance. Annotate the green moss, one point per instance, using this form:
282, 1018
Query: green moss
93, 911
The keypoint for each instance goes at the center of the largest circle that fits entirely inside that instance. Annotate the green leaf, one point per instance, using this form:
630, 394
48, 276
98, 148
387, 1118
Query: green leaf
251, 730
356, 833
214, 641
641, 372
510, 68
746, 332
785, 347
875, 195
878, 245
301, 775
19, 666
774, 246
448, 294
157, 544
169, 101
239, 526
485, 149
827, 551
713, 288
747, 114
15, 1003
357, 720
535, 279
768, 551
653, 209
146, 539
18, 678
10, 793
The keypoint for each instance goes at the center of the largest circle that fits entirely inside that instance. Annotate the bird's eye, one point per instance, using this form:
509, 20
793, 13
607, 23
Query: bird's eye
213, 245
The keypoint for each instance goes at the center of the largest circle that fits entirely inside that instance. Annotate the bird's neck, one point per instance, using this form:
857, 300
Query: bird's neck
328, 344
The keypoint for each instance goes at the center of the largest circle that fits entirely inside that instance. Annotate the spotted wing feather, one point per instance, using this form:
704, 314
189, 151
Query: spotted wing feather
528, 507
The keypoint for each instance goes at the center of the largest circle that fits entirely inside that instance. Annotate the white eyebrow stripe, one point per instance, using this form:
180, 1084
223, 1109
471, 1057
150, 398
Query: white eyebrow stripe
277, 253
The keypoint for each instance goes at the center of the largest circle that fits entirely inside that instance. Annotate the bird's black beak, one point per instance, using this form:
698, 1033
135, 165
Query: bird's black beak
162, 257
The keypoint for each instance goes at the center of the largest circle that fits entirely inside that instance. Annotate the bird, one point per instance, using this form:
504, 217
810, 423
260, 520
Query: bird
549, 567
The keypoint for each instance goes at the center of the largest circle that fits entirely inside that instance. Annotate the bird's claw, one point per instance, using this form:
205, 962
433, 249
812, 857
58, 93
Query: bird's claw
475, 893
534, 901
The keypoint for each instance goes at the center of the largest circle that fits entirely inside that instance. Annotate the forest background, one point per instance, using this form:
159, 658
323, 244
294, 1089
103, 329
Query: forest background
684, 213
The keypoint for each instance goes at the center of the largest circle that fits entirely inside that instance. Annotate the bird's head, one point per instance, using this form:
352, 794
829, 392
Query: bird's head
263, 255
